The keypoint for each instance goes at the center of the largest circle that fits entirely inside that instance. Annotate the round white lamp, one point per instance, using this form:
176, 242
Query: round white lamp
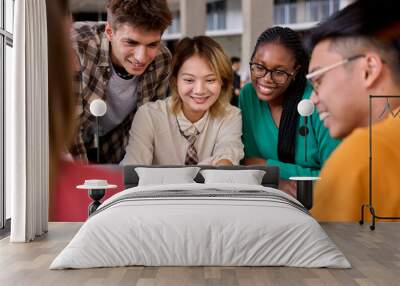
305, 107
98, 107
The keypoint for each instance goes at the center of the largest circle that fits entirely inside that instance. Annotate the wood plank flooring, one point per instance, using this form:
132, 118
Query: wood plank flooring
374, 255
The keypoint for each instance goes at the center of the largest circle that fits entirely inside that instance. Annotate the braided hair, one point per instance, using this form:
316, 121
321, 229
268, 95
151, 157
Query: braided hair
294, 92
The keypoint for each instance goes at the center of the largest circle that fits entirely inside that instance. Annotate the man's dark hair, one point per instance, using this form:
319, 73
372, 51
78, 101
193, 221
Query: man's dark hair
363, 24
150, 15
294, 93
235, 60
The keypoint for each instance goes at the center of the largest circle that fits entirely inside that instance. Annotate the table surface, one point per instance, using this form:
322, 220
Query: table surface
305, 178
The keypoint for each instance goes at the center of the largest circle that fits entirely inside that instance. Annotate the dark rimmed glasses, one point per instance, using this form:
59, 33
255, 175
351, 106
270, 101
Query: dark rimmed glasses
277, 76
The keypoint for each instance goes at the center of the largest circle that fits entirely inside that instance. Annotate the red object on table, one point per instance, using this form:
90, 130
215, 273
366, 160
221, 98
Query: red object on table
70, 203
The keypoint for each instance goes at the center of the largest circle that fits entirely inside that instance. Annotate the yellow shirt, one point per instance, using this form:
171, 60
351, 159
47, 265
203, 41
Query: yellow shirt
344, 183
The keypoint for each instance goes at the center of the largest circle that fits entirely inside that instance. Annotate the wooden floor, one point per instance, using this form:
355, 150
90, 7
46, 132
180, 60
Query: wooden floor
374, 255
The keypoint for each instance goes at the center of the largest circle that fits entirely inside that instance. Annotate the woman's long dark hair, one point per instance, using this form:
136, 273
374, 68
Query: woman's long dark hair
294, 93
62, 101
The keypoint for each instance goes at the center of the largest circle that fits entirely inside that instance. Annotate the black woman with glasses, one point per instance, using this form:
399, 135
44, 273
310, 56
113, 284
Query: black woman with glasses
271, 122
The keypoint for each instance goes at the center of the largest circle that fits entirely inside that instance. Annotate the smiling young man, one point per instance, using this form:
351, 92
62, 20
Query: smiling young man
124, 63
351, 60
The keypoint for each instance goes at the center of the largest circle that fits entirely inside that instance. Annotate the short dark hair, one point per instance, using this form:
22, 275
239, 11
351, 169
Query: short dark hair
235, 60
150, 15
363, 24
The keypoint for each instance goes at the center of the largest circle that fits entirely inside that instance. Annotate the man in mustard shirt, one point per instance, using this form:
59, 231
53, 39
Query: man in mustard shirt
356, 53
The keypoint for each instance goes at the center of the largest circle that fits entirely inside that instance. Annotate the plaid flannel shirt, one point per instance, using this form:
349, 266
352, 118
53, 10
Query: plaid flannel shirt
92, 48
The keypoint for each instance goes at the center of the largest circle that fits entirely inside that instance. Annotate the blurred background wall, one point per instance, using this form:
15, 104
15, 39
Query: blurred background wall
235, 24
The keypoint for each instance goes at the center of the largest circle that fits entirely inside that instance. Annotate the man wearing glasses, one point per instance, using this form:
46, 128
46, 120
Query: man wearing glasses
352, 60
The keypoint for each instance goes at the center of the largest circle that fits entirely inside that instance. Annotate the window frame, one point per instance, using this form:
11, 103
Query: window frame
6, 39
216, 11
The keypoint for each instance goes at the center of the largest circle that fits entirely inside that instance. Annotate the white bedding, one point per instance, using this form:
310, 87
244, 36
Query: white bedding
182, 231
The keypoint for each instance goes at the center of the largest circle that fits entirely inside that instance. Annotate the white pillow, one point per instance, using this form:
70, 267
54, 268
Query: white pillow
164, 176
248, 177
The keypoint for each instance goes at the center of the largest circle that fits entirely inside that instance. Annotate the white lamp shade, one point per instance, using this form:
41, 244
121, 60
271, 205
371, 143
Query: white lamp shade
305, 107
98, 107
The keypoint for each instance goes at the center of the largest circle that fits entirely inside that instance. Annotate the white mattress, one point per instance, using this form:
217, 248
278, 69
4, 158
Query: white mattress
183, 231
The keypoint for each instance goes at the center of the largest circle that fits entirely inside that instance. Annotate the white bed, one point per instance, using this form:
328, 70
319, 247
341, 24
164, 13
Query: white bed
201, 224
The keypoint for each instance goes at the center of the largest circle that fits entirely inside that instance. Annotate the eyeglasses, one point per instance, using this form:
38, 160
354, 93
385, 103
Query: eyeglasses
316, 76
277, 76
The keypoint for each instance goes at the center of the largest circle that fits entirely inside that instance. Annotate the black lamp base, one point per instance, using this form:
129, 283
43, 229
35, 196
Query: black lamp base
305, 193
96, 195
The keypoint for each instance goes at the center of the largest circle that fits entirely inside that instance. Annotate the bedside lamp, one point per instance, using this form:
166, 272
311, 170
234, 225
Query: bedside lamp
305, 184
96, 190
97, 108
305, 108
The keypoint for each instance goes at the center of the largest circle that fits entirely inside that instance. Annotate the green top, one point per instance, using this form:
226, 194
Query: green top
260, 136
